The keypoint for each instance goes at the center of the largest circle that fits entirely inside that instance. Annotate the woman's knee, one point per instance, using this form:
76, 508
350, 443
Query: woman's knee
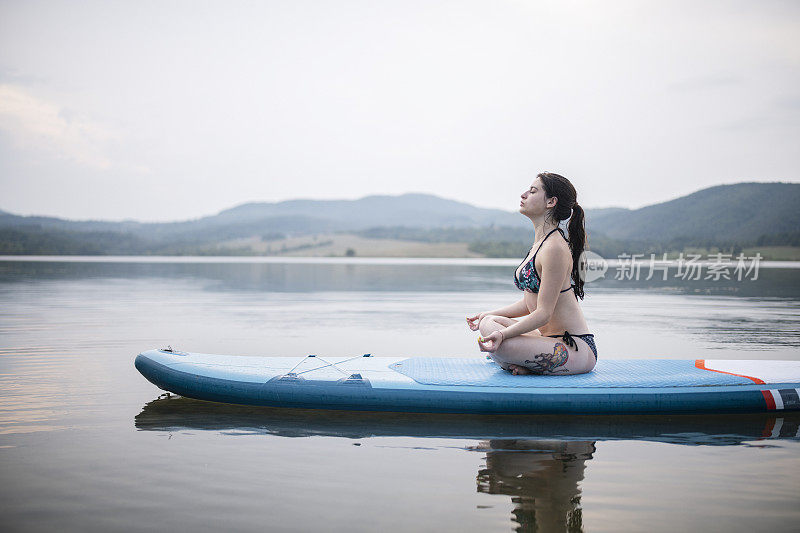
486, 318
488, 324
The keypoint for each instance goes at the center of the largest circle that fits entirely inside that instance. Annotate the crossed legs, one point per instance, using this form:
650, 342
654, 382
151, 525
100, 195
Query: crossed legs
531, 353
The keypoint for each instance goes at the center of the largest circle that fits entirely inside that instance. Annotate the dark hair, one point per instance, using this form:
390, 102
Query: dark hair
567, 207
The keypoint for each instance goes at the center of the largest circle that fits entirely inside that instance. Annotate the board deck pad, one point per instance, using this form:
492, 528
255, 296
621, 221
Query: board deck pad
607, 373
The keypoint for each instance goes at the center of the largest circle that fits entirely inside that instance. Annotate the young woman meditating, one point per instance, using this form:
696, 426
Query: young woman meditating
552, 337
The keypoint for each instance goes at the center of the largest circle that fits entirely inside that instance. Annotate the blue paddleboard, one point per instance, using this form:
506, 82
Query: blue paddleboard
475, 384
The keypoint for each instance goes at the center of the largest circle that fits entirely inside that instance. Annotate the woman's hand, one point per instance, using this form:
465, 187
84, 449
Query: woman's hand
491, 342
474, 321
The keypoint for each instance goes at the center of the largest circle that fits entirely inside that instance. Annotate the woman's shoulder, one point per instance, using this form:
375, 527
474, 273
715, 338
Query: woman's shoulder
556, 249
560, 243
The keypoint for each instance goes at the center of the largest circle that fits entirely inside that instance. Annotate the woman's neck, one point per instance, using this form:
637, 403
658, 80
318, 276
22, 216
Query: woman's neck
541, 229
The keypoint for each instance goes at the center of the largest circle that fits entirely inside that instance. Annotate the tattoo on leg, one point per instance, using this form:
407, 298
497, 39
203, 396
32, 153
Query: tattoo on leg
549, 362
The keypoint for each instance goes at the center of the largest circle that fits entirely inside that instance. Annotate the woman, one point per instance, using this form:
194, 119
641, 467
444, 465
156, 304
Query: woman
552, 338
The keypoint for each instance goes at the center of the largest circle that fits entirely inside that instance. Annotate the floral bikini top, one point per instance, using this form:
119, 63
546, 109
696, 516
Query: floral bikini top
528, 277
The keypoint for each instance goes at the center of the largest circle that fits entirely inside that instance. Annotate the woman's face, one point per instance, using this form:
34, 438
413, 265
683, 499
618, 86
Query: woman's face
533, 201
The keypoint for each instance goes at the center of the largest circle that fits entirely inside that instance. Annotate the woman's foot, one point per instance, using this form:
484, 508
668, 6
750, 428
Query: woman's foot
518, 370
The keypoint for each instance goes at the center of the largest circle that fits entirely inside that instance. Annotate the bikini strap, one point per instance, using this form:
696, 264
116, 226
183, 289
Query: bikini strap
567, 338
541, 243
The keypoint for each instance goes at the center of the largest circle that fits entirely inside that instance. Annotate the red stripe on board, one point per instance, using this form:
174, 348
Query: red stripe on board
769, 399
769, 427
701, 364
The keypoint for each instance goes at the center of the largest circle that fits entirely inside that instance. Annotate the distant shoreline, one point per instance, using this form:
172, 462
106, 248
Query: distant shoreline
231, 259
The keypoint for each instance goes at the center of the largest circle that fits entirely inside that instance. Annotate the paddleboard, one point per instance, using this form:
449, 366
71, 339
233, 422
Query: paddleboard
475, 384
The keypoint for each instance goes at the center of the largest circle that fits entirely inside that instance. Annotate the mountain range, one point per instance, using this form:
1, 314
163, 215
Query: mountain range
740, 213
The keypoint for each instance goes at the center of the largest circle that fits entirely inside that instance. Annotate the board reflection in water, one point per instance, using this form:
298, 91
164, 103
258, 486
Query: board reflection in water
171, 413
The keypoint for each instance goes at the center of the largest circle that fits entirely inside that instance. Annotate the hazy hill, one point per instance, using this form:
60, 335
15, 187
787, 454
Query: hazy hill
412, 210
739, 214
298, 216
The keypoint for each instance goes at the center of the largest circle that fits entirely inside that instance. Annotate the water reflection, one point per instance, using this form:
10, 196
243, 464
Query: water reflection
542, 477
408, 275
538, 461
173, 413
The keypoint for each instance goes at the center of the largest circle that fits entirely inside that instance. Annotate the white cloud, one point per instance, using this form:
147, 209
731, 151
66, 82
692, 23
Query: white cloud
38, 125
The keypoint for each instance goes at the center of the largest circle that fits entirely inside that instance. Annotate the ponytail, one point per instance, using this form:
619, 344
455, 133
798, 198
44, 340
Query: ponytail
577, 243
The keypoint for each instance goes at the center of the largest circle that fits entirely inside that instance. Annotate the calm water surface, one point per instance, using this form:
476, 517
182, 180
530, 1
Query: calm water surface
87, 444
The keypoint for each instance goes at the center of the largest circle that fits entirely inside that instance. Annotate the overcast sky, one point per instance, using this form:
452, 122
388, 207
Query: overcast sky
173, 110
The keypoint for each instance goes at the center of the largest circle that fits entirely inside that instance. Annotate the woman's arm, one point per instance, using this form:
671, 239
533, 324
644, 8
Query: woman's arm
514, 310
510, 311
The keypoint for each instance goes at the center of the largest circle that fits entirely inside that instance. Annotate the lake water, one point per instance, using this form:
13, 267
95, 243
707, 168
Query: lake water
87, 444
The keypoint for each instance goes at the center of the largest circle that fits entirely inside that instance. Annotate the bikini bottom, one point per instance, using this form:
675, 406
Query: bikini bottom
587, 337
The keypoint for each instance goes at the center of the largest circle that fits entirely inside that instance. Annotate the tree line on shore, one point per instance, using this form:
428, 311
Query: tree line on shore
493, 242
